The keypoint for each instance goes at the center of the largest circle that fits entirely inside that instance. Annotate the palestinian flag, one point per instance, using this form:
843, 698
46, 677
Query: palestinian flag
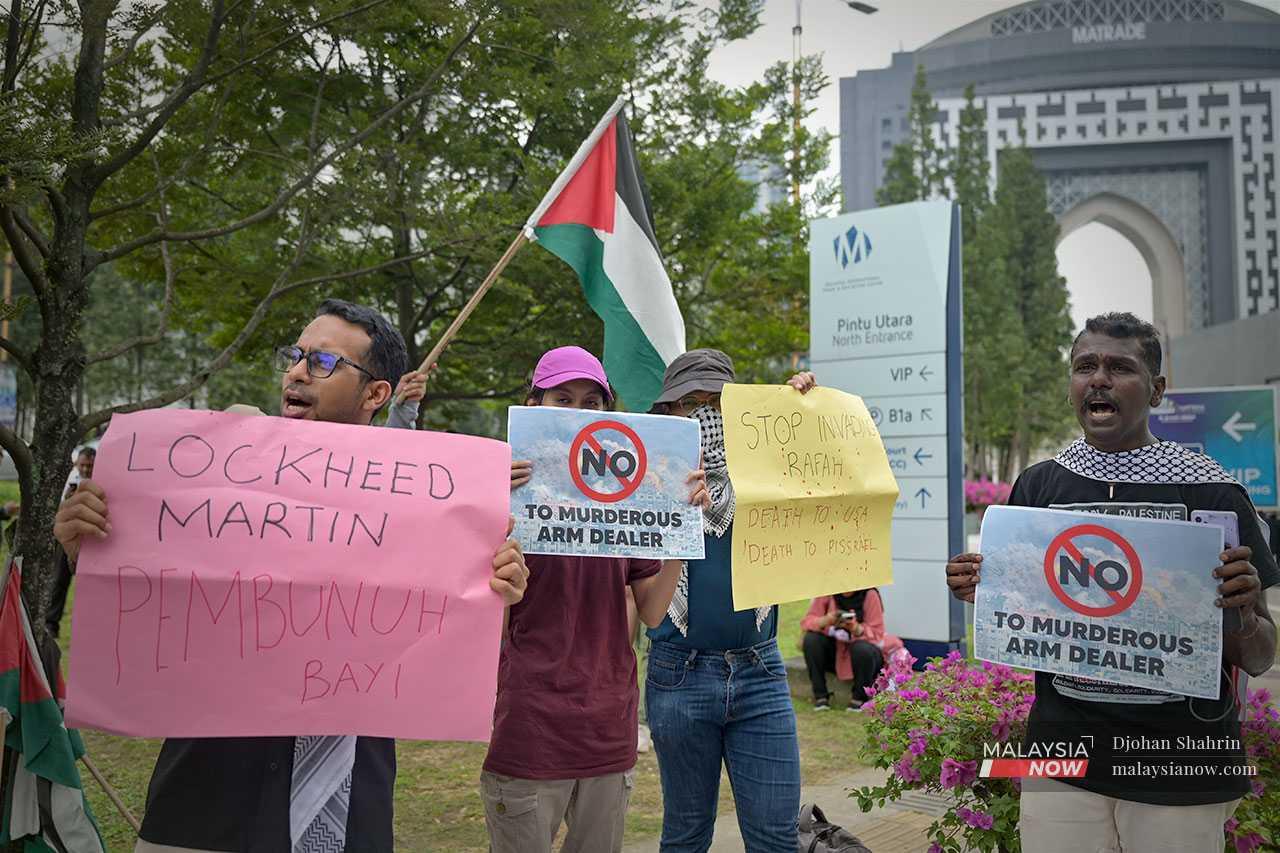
45, 806
597, 219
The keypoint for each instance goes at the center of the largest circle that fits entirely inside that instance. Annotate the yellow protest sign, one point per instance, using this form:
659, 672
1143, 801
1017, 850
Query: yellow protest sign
814, 490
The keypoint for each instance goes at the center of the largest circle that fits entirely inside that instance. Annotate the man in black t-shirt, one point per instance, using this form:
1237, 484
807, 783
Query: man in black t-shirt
1120, 468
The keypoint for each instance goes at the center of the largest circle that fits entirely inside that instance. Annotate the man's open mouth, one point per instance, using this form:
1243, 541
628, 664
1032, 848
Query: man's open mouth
294, 405
1100, 408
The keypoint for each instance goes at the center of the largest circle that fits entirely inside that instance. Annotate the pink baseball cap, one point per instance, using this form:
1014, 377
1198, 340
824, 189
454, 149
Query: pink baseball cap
564, 364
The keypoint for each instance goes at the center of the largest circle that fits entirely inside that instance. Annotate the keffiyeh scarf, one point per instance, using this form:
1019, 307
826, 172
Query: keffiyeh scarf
1162, 462
717, 519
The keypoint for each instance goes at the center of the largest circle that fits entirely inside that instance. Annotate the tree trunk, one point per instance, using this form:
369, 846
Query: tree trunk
60, 363
1009, 458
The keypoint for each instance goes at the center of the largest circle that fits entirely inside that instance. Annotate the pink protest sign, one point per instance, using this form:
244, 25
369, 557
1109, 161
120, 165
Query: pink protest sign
274, 577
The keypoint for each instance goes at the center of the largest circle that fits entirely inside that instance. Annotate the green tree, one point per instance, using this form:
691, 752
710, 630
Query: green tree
177, 196
104, 140
1020, 244
992, 325
1016, 325
743, 284
916, 169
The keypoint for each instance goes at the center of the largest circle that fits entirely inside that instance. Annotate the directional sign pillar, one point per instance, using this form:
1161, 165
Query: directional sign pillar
885, 325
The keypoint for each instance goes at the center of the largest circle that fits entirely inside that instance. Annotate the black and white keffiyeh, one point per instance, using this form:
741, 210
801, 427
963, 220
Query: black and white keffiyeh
718, 517
1162, 462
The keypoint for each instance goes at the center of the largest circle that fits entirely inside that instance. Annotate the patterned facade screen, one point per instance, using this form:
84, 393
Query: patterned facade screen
1064, 14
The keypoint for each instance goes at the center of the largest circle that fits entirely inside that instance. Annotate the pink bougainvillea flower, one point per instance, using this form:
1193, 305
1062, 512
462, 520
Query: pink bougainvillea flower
956, 773
1248, 843
906, 769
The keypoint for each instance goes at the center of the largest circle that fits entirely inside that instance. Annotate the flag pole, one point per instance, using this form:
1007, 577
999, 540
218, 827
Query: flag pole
113, 795
526, 234
447, 337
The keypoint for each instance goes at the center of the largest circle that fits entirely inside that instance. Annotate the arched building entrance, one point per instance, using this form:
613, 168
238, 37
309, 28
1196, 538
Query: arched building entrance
1159, 118
1152, 240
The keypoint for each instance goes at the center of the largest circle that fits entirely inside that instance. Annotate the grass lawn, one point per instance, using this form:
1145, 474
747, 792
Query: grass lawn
437, 797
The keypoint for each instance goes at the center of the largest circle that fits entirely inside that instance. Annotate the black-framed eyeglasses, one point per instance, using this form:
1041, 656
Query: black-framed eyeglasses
320, 364
691, 401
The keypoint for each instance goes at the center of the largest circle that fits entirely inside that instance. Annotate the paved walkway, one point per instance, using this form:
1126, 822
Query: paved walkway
896, 828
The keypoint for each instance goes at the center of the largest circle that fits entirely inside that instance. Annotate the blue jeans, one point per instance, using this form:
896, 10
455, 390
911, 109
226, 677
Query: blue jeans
732, 707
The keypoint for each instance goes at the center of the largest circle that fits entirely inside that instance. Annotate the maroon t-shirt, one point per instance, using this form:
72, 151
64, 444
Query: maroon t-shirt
567, 691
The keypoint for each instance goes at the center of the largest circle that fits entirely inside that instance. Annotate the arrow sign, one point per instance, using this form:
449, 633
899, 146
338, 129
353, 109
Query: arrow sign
922, 493
920, 456
1233, 427
925, 372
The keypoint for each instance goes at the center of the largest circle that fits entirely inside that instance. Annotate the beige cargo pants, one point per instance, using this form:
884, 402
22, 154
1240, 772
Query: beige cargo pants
524, 815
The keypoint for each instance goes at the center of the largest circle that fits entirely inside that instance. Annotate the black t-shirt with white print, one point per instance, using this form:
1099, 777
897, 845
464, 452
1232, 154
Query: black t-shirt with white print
1068, 706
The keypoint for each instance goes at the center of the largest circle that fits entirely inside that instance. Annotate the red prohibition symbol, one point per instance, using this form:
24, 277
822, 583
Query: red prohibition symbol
625, 466
1084, 571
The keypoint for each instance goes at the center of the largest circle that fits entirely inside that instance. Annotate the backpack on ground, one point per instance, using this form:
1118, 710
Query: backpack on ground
818, 835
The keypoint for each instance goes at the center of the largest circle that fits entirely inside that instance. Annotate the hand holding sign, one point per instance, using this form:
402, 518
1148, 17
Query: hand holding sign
1240, 585
521, 473
82, 514
699, 494
510, 575
963, 575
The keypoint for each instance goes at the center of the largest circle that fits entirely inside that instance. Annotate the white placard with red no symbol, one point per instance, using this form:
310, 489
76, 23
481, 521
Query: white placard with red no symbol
605, 484
1122, 600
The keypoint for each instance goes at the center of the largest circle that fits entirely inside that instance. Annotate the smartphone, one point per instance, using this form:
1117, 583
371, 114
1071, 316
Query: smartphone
1230, 524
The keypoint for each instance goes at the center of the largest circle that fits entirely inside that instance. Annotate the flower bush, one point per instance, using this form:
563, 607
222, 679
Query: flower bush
1256, 824
980, 494
928, 729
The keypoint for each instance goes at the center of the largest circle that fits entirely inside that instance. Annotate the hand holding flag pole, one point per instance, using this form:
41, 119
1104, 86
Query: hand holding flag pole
526, 234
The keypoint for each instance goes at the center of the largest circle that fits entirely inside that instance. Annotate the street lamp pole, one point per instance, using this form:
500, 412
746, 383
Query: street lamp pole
796, 31
795, 103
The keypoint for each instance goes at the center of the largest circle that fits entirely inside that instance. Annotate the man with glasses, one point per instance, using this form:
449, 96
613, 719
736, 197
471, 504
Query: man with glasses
306, 794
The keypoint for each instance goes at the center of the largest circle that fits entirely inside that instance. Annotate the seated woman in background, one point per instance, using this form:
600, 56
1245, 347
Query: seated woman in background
844, 634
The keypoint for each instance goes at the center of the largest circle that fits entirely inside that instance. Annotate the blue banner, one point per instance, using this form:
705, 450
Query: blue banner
1122, 609
605, 484
1236, 426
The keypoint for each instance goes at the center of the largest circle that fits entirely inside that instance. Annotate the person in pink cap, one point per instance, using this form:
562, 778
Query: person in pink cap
564, 730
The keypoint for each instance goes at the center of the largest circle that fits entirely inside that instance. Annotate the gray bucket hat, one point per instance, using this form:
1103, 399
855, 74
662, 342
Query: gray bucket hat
696, 370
